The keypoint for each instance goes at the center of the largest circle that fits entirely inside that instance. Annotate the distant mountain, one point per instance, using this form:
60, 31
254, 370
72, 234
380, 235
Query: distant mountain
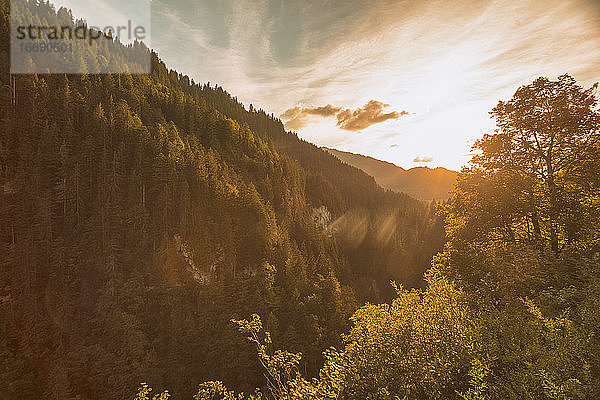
421, 182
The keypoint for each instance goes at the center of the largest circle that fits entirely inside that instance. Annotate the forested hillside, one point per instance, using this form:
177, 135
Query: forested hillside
140, 213
422, 183
512, 305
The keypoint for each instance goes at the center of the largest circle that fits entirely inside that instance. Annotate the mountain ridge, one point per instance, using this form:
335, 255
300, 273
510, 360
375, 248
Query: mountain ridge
422, 183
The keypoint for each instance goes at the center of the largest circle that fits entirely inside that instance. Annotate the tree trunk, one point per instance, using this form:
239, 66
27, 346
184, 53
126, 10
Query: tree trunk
553, 206
536, 224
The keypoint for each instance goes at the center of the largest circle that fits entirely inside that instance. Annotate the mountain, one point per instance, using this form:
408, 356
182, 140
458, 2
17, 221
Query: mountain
139, 214
420, 182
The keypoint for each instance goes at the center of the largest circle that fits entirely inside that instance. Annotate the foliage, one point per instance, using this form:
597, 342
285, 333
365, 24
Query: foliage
523, 233
145, 391
421, 345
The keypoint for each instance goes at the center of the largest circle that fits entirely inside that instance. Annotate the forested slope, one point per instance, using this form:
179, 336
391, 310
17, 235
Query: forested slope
512, 305
140, 213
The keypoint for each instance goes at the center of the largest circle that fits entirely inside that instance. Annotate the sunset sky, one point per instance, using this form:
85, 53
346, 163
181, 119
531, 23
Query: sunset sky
409, 82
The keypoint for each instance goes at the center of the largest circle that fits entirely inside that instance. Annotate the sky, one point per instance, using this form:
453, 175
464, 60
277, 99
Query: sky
410, 82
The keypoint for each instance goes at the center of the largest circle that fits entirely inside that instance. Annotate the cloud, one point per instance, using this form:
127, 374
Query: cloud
291, 113
361, 118
325, 111
298, 121
297, 117
422, 159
